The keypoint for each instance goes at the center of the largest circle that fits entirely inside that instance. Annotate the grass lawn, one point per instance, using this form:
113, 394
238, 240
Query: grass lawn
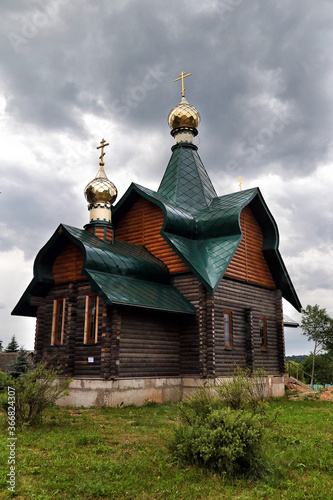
122, 453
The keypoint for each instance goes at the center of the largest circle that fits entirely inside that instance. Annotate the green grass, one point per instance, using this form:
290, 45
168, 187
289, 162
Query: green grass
122, 453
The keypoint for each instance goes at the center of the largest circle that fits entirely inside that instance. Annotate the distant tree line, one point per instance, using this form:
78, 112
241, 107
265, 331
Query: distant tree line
297, 358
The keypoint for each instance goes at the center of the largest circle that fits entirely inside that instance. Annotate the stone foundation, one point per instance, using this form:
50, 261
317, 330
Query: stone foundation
99, 392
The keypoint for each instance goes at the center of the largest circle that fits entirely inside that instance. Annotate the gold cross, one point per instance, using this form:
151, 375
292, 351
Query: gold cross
182, 76
102, 146
240, 182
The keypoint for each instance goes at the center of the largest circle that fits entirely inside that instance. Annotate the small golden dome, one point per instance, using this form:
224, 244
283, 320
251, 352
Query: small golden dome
100, 190
183, 115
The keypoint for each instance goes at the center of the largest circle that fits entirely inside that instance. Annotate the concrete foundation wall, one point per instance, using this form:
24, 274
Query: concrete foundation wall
99, 392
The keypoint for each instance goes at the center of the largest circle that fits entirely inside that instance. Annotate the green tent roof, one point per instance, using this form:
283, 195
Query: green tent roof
121, 273
186, 182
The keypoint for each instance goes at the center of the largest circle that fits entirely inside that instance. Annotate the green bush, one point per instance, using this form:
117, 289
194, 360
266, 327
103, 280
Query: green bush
223, 427
225, 441
5, 381
36, 390
243, 390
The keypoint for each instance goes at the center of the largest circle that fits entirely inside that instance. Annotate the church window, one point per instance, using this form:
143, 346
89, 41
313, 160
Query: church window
58, 322
91, 320
227, 327
263, 332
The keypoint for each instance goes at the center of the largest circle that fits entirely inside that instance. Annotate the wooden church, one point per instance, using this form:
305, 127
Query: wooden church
164, 290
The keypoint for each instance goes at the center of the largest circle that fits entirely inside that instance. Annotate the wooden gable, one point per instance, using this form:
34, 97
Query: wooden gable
141, 225
249, 263
68, 264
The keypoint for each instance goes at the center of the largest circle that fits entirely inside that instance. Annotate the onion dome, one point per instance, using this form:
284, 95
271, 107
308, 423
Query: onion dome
101, 190
100, 194
184, 115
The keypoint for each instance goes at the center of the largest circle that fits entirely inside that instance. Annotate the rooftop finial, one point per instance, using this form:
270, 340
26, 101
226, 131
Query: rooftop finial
240, 179
182, 76
102, 146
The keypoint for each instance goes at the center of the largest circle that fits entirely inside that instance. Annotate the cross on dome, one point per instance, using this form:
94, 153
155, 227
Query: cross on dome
102, 146
182, 76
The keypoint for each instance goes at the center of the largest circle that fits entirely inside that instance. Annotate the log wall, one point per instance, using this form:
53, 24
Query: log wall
141, 343
73, 353
247, 303
141, 225
249, 263
191, 329
149, 344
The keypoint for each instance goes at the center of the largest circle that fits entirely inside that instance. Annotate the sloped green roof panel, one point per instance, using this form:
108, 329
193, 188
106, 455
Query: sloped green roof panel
139, 293
186, 182
121, 258
222, 215
208, 259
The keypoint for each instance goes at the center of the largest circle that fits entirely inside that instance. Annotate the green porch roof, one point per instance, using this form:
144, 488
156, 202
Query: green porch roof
203, 228
121, 273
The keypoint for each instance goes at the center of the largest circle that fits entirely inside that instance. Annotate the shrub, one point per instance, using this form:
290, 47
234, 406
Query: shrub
37, 390
5, 381
223, 427
225, 441
243, 390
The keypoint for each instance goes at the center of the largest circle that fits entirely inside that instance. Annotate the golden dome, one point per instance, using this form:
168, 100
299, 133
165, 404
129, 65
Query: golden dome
183, 115
101, 190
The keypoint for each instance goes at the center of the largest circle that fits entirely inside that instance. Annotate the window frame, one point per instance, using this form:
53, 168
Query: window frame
88, 339
228, 312
263, 338
59, 305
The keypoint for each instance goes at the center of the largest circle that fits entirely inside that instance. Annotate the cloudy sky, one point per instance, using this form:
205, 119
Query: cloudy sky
73, 72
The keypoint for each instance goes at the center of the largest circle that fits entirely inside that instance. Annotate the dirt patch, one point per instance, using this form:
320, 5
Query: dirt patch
327, 395
292, 387
296, 391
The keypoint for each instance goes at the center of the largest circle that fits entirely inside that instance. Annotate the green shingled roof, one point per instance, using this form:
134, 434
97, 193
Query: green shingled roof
136, 292
203, 228
186, 182
121, 273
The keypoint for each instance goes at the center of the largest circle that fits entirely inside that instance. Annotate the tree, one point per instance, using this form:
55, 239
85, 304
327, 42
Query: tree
317, 326
323, 372
0, 345
13, 345
21, 364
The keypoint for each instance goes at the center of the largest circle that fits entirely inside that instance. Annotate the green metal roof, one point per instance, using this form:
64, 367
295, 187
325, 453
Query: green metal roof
186, 182
121, 273
203, 228
140, 293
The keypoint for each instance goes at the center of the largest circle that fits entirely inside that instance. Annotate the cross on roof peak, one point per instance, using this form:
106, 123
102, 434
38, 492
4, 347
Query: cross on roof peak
102, 146
182, 76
